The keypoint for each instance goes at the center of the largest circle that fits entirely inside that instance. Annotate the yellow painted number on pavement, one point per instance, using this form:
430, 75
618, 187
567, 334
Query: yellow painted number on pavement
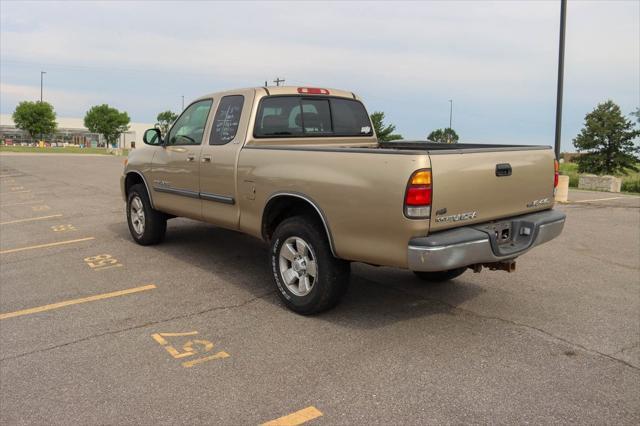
63, 228
102, 261
189, 349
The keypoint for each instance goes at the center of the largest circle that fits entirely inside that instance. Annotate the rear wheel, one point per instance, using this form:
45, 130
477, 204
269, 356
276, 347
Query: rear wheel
308, 277
440, 276
146, 225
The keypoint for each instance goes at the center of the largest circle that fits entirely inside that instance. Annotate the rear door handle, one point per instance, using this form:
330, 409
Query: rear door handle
503, 169
206, 159
191, 156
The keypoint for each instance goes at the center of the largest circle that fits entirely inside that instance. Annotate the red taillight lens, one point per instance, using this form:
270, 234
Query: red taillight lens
418, 195
312, 91
417, 200
556, 167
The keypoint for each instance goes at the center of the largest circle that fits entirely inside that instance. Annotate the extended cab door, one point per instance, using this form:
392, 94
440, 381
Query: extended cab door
220, 152
175, 167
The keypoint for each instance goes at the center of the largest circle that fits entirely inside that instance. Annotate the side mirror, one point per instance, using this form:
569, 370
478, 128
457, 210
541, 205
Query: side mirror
152, 137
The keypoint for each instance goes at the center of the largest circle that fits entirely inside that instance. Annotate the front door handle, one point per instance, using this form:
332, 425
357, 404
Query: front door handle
206, 159
191, 156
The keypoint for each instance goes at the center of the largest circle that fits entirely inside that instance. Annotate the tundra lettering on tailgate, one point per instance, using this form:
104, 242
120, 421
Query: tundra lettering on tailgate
457, 217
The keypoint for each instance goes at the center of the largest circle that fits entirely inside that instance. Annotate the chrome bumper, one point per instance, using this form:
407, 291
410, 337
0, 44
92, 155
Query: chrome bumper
476, 244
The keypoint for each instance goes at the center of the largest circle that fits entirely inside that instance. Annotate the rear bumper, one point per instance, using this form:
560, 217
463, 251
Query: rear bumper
476, 244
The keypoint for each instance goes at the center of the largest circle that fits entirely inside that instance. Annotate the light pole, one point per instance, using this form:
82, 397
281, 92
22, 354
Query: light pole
42, 73
563, 22
450, 119
182, 104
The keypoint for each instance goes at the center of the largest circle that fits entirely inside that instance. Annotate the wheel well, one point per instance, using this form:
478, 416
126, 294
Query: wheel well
285, 206
132, 179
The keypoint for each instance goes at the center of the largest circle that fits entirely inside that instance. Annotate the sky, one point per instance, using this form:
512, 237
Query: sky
497, 60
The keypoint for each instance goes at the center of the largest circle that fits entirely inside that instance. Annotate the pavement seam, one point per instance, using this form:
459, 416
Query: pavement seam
512, 322
147, 324
626, 348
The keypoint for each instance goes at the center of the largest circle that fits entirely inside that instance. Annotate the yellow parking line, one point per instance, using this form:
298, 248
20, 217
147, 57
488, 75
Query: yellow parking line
599, 199
296, 418
30, 219
76, 301
58, 243
20, 204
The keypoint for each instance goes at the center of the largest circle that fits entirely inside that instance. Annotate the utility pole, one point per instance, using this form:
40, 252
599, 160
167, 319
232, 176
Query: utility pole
277, 81
563, 22
182, 104
42, 73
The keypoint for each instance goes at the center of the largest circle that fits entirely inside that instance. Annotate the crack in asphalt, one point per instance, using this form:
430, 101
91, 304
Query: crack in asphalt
512, 322
626, 348
134, 327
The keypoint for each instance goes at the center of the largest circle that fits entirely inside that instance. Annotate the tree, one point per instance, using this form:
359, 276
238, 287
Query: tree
35, 118
384, 133
606, 142
165, 119
447, 135
636, 114
107, 121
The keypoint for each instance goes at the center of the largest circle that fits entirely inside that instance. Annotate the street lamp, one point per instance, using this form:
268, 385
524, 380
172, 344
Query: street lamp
42, 73
563, 22
450, 119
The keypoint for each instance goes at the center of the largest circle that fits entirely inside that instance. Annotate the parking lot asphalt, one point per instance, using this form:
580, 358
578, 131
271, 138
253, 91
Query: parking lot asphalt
95, 329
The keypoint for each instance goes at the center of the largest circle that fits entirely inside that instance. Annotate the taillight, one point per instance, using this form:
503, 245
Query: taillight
556, 168
417, 200
312, 91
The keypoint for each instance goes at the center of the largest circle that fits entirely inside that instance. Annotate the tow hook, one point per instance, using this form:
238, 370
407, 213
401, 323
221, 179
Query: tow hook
507, 265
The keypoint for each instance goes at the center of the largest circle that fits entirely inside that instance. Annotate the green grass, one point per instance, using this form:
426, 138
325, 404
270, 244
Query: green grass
56, 150
630, 182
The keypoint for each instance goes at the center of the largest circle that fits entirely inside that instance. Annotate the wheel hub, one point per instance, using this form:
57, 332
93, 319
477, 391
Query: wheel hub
298, 268
137, 218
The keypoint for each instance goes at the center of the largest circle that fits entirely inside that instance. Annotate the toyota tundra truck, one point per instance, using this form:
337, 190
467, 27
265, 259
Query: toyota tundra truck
301, 168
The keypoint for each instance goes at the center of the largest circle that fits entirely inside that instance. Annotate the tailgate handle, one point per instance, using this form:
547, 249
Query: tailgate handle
503, 169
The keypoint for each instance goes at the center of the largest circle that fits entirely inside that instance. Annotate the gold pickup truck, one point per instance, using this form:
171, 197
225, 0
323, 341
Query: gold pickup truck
302, 169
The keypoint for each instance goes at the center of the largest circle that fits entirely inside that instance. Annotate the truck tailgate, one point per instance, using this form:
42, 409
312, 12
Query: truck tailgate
480, 186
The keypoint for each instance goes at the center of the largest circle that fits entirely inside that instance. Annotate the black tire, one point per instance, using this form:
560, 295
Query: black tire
440, 276
332, 275
154, 225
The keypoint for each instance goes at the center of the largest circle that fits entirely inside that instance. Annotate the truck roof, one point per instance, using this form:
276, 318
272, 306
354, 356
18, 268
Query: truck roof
285, 90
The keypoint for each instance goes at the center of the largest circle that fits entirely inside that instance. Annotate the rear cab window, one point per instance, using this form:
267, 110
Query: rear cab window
226, 120
317, 116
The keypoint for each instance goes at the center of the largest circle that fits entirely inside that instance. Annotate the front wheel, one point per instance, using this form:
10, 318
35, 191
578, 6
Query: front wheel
146, 225
440, 276
308, 277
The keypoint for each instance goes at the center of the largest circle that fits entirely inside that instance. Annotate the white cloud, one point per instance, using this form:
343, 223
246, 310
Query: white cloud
62, 99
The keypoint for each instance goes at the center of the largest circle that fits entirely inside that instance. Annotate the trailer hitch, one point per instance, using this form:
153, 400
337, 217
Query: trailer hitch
507, 265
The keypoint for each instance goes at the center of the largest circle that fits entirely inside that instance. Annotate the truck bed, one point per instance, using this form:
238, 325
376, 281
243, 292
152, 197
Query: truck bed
433, 147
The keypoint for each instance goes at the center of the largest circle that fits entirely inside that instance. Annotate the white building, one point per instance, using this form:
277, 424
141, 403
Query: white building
71, 131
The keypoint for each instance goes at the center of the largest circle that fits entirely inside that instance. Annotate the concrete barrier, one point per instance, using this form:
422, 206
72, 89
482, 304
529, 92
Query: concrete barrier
600, 183
562, 191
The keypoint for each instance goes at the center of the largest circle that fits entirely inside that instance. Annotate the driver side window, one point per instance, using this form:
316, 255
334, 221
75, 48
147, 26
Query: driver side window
189, 128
